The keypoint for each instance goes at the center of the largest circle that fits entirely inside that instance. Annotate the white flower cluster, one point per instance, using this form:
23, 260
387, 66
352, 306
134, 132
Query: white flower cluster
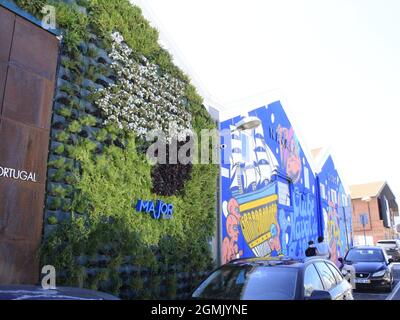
142, 99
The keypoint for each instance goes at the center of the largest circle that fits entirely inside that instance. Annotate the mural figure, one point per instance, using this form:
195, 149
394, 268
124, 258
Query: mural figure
332, 231
230, 247
335, 211
290, 152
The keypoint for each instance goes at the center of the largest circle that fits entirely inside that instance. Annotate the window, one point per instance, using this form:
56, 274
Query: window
359, 240
344, 201
334, 196
306, 178
365, 255
249, 283
327, 276
284, 193
322, 188
336, 273
387, 242
312, 281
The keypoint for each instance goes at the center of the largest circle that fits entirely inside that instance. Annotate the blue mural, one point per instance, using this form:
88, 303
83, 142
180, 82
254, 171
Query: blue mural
335, 209
269, 204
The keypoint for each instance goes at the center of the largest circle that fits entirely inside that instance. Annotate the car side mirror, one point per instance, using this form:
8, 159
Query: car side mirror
390, 260
320, 295
340, 260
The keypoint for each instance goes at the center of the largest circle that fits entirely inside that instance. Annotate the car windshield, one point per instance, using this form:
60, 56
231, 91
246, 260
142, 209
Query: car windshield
365, 255
249, 283
387, 243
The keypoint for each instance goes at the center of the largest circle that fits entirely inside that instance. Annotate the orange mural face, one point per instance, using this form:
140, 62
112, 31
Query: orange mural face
233, 208
230, 248
232, 227
293, 167
274, 242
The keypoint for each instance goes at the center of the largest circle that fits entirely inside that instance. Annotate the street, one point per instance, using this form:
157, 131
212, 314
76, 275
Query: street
394, 295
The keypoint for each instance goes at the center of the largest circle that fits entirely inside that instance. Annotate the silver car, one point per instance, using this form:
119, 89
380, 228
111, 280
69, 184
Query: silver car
392, 248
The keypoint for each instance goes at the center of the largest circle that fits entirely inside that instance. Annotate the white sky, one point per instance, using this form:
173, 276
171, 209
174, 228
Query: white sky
336, 61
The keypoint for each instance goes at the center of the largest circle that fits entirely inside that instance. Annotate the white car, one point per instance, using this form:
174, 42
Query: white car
392, 248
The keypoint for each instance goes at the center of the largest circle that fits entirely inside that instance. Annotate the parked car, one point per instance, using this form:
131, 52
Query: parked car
372, 267
277, 278
22, 292
392, 248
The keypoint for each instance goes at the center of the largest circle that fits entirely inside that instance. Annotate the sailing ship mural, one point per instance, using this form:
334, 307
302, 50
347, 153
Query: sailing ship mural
269, 208
252, 162
252, 167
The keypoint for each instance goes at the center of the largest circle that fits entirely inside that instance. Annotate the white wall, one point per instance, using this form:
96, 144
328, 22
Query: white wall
360, 240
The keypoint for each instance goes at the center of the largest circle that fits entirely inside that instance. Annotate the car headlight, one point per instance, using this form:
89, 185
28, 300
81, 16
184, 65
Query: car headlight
379, 273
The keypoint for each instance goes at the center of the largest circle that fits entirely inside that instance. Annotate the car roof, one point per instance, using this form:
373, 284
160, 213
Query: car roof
367, 247
280, 261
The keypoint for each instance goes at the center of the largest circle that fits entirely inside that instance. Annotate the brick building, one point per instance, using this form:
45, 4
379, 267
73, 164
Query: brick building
377, 202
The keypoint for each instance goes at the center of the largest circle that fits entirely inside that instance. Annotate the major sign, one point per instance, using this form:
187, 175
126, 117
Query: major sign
157, 210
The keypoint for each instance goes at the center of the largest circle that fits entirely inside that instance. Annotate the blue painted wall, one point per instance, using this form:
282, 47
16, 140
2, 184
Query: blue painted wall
335, 210
269, 194
272, 201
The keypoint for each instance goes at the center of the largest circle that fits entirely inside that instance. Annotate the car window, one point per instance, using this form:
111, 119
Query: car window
336, 273
385, 254
365, 255
249, 283
326, 274
312, 281
386, 242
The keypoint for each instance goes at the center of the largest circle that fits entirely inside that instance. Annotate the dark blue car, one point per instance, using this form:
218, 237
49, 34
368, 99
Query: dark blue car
276, 278
372, 267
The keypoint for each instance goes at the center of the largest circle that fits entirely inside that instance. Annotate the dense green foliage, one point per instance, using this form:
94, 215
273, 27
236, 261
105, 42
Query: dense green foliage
97, 172
107, 189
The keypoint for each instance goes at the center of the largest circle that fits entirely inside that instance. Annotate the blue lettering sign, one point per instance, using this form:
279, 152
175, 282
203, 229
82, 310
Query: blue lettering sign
157, 210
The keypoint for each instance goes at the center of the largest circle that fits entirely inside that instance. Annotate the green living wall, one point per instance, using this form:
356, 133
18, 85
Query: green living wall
115, 83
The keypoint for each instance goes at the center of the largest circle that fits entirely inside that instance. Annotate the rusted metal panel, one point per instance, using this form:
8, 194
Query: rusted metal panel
21, 202
24, 148
3, 75
27, 78
7, 19
28, 98
34, 49
19, 263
